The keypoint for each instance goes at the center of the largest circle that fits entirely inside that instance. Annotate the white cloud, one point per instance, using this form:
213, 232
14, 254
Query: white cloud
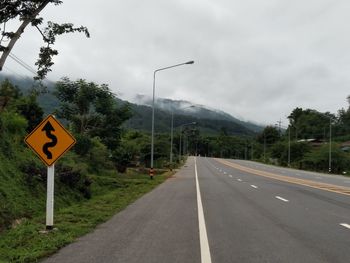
254, 59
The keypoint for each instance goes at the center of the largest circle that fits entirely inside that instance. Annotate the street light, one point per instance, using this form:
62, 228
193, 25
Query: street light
172, 133
183, 125
154, 87
330, 145
284, 127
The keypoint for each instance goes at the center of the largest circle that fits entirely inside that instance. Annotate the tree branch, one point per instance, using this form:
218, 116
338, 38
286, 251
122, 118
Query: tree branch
19, 32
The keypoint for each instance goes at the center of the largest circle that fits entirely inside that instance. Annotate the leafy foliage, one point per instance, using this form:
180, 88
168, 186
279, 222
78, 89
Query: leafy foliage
309, 123
27, 12
91, 110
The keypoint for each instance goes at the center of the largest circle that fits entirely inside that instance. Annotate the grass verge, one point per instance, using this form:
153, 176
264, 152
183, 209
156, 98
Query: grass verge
24, 243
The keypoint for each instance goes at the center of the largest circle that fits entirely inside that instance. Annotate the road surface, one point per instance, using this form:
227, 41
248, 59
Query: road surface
216, 210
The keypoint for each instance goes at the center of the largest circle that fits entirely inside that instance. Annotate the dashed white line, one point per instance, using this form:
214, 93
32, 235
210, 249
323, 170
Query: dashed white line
239, 180
254, 186
225, 173
203, 237
281, 198
230, 175
345, 225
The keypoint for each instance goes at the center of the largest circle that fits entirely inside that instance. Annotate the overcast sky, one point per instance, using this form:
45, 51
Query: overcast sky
256, 60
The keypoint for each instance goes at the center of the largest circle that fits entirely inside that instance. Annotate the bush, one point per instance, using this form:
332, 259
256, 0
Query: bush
74, 179
318, 159
99, 156
83, 145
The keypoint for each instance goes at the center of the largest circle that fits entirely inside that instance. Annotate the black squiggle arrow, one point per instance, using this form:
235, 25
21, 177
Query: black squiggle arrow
49, 129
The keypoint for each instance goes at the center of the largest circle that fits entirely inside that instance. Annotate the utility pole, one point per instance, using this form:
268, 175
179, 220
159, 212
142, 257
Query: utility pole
288, 146
171, 139
279, 127
264, 148
330, 145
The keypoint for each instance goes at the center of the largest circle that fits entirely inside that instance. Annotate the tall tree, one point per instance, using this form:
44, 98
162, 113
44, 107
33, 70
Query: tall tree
27, 12
92, 110
269, 135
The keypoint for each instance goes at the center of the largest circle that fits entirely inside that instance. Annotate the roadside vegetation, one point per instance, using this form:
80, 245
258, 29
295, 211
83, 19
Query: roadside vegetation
92, 181
312, 141
107, 168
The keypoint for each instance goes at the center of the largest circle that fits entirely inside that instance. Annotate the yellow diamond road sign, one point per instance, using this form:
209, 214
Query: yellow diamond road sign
50, 140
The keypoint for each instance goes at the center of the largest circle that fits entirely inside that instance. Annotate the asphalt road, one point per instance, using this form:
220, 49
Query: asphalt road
227, 211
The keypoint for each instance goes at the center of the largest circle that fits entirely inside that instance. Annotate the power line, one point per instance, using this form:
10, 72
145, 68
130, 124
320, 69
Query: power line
22, 63
27, 67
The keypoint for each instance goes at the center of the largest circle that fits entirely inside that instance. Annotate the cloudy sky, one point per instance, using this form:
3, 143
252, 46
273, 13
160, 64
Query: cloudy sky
256, 60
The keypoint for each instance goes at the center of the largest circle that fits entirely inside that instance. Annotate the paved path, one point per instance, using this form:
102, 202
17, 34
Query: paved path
217, 211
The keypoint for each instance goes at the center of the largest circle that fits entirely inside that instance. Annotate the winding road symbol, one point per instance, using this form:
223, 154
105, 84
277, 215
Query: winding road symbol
49, 129
50, 140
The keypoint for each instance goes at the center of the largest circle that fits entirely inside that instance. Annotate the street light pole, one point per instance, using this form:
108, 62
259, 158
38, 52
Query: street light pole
172, 132
171, 139
264, 147
154, 87
181, 126
284, 127
288, 146
330, 146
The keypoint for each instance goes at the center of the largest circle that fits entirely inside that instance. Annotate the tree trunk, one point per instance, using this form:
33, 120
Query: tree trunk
19, 32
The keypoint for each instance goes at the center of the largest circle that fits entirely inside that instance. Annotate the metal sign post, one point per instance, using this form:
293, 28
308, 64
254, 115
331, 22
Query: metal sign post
50, 140
50, 196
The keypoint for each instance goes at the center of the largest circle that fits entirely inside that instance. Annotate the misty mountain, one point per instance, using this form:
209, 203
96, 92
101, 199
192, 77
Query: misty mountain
209, 121
187, 108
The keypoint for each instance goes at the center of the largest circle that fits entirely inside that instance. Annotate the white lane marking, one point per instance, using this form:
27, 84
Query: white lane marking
254, 186
239, 180
345, 225
230, 175
281, 198
203, 237
225, 173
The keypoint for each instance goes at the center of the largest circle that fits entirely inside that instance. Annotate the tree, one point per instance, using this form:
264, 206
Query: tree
8, 94
309, 124
319, 159
269, 135
27, 12
343, 124
92, 111
28, 107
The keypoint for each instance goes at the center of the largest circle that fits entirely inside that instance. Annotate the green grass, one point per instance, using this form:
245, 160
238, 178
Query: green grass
110, 194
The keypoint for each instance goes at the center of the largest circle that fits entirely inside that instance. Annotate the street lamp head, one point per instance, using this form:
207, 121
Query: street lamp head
190, 62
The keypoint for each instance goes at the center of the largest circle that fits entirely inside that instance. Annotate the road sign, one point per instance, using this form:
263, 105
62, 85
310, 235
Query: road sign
50, 140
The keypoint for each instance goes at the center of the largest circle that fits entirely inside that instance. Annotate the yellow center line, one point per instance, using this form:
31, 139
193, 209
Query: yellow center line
321, 186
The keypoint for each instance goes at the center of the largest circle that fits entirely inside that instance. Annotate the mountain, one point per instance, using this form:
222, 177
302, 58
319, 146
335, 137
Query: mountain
47, 101
209, 121
187, 108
